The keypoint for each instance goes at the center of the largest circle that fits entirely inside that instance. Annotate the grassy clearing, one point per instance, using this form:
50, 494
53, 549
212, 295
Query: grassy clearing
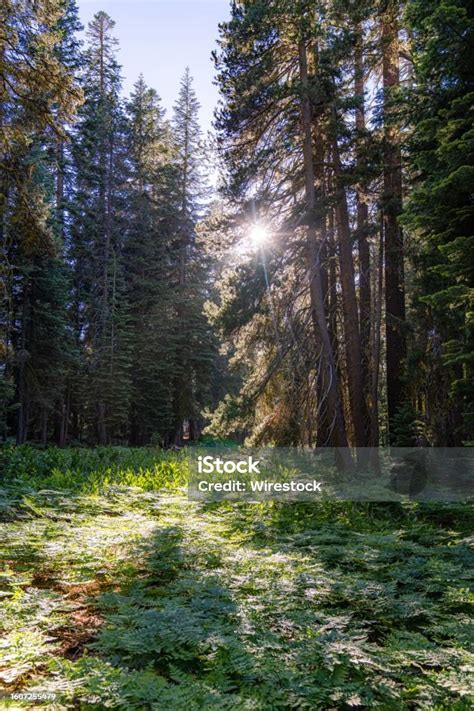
128, 597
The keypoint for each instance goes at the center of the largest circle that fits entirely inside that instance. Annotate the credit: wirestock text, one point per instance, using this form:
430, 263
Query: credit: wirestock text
261, 486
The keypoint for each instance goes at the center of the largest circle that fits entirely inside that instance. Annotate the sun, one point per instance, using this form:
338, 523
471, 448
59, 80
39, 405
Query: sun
258, 235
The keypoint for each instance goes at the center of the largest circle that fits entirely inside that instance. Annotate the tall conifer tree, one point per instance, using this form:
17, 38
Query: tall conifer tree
151, 227
38, 98
194, 348
97, 240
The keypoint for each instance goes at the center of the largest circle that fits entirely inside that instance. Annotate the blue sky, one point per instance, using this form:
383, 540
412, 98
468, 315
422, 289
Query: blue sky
159, 38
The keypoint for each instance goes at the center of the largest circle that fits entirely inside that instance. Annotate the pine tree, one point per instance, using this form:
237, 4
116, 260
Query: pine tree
275, 146
194, 342
392, 206
151, 226
440, 216
38, 98
101, 317
316, 288
69, 53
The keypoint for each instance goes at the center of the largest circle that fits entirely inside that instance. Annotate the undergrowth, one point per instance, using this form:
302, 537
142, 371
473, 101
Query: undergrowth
93, 470
118, 593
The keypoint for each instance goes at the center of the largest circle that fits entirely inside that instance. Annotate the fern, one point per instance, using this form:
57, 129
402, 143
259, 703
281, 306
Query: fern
247, 607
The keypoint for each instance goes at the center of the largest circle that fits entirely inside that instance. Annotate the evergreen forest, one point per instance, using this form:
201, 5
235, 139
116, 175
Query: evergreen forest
300, 276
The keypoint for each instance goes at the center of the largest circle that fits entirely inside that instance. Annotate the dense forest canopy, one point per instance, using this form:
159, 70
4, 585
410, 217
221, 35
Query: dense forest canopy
321, 296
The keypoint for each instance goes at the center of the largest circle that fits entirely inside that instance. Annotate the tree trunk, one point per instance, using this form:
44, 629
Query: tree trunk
362, 229
314, 273
392, 202
376, 342
101, 427
64, 420
349, 306
323, 422
375, 336
22, 429
332, 287
44, 425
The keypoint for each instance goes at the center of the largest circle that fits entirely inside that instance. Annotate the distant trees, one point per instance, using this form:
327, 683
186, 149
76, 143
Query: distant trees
195, 348
104, 334
38, 97
152, 226
344, 132
440, 216
96, 241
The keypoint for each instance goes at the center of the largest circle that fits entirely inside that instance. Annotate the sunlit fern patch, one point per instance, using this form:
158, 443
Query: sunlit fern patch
128, 598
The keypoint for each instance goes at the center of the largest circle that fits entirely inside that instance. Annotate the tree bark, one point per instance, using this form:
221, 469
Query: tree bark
392, 202
349, 306
332, 286
323, 423
315, 273
376, 343
101, 427
362, 228
23, 404
44, 425
375, 337
64, 418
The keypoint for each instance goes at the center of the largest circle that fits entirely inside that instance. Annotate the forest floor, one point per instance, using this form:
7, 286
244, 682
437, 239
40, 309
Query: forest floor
136, 599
